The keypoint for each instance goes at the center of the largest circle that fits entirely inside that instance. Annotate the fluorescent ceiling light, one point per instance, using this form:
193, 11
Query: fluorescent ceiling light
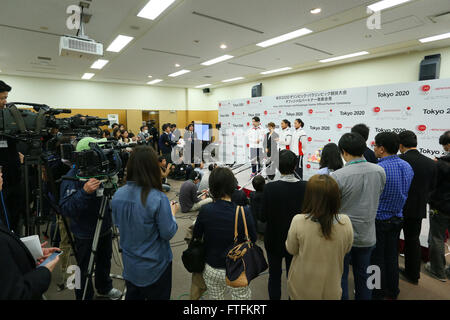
284, 37
276, 70
150, 76
435, 38
345, 57
154, 8
223, 46
154, 81
119, 43
203, 85
381, 5
99, 64
179, 73
234, 79
217, 60
87, 76
316, 11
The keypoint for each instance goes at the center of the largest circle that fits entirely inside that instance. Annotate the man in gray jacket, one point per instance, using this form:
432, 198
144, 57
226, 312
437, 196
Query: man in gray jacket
361, 184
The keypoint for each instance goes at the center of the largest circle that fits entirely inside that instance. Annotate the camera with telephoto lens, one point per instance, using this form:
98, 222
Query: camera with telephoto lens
101, 160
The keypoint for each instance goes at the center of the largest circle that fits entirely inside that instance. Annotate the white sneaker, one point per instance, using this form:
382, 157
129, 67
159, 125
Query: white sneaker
113, 294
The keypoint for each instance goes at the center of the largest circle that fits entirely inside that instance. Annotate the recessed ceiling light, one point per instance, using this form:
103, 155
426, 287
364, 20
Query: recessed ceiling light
435, 38
155, 81
99, 64
223, 46
284, 37
203, 85
233, 79
217, 60
119, 43
87, 76
385, 4
154, 8
150, 76
351, 55
179, 73
177, 65
316, 11
276, 70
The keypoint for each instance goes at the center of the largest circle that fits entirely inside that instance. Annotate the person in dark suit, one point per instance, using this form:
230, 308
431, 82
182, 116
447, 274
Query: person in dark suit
282, 200
165, 143
414, 209
363, 130
20, 279
269, 145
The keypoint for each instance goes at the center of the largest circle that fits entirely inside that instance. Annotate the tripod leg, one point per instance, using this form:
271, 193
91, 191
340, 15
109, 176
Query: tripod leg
98, 228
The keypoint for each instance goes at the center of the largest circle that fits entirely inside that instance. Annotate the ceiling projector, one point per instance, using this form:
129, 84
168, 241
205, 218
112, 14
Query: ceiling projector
83, 48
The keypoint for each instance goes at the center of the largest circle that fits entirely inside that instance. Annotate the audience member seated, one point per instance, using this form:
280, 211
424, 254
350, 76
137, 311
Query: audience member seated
146, 223
282, 200
215, 224
319, 235
204, 183
330, 160
256, 202
165, 171
189, 194
360, 184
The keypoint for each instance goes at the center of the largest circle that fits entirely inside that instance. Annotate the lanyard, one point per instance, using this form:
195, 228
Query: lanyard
357, 161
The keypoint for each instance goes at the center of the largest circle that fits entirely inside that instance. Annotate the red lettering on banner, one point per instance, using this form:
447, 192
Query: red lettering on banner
310, 111
408, 108
248, 101
331, 110
376, 109
265, 113
309, 139
308, 166
339, 126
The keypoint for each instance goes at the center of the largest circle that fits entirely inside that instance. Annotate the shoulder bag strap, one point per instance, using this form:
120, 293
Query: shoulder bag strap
236, 224
245, 224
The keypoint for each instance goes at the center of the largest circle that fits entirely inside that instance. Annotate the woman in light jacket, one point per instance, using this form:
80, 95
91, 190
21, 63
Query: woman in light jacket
319, 239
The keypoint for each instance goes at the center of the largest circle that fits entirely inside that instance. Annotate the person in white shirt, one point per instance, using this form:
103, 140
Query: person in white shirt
284, 141
255, 140
298, 145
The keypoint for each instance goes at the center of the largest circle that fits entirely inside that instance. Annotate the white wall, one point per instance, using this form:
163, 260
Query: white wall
97, 95
394, 69
93, 95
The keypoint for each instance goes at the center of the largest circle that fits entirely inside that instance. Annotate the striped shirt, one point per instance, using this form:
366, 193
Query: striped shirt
399, 175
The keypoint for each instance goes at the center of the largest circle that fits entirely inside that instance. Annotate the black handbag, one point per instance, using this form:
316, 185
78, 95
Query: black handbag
194, 256
245, 261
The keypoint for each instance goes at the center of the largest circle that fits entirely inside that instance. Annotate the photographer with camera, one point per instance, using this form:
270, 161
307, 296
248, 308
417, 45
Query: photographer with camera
10, 160
81, 201
19, 276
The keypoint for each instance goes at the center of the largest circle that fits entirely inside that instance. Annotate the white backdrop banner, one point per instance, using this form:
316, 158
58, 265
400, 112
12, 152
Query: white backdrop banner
422, 107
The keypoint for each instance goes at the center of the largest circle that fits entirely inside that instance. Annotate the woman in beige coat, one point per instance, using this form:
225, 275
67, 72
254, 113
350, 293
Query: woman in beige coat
318, 239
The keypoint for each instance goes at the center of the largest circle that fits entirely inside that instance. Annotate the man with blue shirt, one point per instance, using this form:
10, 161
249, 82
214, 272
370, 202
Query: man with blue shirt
389, 219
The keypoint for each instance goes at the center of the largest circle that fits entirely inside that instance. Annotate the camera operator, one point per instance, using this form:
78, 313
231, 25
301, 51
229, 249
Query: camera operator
19, 276
80, 201
10, 160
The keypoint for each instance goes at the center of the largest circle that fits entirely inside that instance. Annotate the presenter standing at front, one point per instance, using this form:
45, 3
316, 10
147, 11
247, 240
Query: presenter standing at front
298, 145
255, 140
285, 138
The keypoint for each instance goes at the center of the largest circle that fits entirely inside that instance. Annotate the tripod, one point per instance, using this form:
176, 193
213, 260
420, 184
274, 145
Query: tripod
106, 199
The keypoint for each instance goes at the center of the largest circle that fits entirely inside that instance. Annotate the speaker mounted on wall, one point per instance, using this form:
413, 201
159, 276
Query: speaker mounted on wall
206, 90
257, 91
430, 67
